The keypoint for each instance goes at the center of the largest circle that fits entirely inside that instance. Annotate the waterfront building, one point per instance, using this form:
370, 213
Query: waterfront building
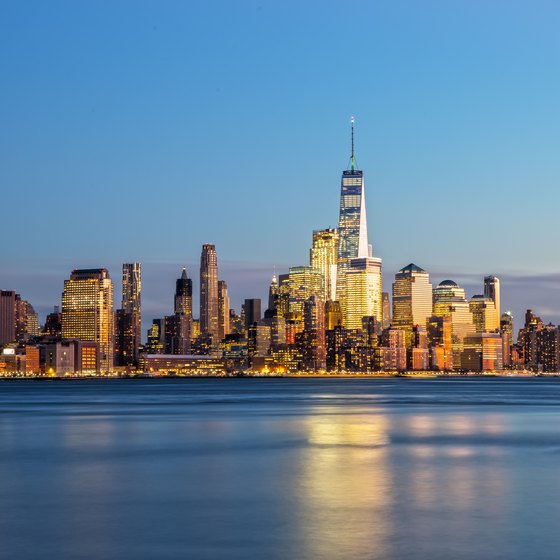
548, 349
419, 356
492, 291
412, 299
362, 295
393, 349
209, 306
18, 319
323, 256
87, 311
440, 336
449, 300
128, 319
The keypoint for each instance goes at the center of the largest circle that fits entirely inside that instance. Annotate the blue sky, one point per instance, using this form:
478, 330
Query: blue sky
140, 130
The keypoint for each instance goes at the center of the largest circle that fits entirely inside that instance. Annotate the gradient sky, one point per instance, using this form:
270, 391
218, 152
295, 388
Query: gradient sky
140, 130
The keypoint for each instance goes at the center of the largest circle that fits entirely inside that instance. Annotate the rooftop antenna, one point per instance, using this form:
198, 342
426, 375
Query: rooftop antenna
352, 159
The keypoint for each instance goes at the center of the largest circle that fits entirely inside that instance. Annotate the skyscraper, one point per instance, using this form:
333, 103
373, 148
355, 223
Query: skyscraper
8, 315
352, 224
412, 299
132, 312
87, 311
362, 296
183, 294
492, 291
223, 310
304, 281
323, 256
178, 327
449, 301
209, 306
252, 309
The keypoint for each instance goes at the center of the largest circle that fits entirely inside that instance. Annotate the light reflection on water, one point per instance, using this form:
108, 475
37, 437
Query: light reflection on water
269, 469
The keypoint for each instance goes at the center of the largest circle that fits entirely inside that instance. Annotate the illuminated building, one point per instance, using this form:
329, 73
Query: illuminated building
484, 314
482, 352
333, 315
178, 334
294, 326
392, 344
412, 299
352, 224
527, 339
87, 311
183, 365
419, 354
69, 357
440, 336
506, 328
492, 291
258, 341
362, 295
323, 256
53, 323
386, 307
548, 349
209, 321
128, 325
15, 325
273, 294
156, 337
304, 282
314, 350
283, 299
449, 300
223, 310
182, 302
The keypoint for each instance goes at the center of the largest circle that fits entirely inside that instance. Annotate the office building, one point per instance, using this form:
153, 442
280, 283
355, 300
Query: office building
87, 311
412, 299
209, 305
324, 257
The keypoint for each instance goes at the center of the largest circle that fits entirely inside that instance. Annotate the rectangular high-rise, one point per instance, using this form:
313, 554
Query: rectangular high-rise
87, 311
131, 325
324, 257
209, 306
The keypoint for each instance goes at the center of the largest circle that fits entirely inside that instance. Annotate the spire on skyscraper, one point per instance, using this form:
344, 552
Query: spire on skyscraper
352, 158
184, 274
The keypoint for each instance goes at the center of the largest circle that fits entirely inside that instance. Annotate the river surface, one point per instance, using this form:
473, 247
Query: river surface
280, 469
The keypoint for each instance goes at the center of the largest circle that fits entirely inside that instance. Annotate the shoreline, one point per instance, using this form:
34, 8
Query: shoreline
372, 375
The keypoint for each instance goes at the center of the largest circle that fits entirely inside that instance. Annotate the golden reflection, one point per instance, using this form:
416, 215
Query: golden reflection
345, 486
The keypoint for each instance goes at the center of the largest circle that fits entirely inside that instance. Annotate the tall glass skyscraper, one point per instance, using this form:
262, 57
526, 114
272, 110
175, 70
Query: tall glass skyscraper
132, 312
209, 306
352, 223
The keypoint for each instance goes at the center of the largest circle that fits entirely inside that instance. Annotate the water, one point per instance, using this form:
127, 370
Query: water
280, 469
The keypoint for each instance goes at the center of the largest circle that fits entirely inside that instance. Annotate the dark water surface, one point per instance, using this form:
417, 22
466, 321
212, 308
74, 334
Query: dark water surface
280, 468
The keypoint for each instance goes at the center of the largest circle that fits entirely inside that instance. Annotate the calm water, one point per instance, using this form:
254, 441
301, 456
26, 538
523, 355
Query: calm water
284, 468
